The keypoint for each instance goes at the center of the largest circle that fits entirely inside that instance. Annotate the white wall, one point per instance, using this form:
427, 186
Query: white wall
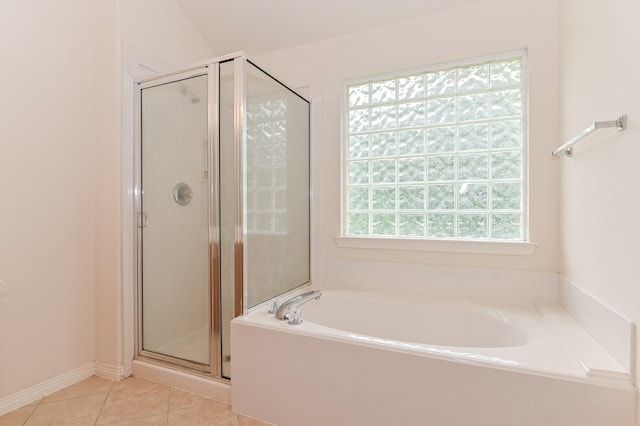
106, 174
600, 191
486, 28
160, 29
60, 244
48, 120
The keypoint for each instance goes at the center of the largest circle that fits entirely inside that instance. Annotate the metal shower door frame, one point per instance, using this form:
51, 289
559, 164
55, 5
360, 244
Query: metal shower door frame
213, 204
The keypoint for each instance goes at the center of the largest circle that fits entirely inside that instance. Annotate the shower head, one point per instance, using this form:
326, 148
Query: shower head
193, 97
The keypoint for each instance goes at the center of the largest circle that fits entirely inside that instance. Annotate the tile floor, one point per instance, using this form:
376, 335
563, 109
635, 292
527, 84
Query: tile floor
131, 402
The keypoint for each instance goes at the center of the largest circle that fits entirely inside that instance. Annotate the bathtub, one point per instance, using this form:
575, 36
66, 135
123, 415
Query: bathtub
362, 358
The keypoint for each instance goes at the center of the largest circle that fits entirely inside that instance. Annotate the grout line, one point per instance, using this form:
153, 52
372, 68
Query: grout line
32, 411
75, 397
103, 403
166, 419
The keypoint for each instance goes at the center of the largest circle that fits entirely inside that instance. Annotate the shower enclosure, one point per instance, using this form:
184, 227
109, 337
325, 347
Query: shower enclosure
222, 202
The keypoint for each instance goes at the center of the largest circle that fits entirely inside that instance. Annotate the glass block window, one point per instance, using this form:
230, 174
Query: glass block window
438, 153
266, 165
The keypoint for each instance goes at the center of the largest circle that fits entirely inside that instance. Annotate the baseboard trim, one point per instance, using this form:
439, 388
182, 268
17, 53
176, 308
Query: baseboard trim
47, 387
109, 371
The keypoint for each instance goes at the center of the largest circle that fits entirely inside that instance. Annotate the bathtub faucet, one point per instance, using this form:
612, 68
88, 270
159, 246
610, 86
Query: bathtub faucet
285, 310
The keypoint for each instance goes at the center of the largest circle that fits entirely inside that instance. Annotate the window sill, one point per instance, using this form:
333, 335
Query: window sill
513, 248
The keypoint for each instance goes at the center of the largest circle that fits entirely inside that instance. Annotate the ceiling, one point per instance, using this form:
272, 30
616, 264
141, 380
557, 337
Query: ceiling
258, 26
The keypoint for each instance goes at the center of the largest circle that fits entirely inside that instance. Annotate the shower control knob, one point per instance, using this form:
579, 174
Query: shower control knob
182, 194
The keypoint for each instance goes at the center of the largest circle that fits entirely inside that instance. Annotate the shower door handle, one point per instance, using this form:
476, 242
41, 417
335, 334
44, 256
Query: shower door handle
142, 220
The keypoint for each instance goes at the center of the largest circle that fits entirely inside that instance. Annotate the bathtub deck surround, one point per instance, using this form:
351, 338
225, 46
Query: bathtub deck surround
426, 358
613, 331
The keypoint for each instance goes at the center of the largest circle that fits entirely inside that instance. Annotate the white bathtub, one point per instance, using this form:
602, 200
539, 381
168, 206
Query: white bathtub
364, 358
400, 319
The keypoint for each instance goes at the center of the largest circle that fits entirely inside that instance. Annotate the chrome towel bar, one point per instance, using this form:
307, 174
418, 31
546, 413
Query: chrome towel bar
567, 147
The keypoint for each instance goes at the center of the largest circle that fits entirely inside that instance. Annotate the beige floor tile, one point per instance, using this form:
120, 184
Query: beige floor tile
91, 386
134, 398
179, 400
158, 420
133, 385
19, 416
248, 421
77, 412
218, 414
132, 402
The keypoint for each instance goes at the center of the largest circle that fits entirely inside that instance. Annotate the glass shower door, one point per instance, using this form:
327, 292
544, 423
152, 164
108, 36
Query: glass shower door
174, 267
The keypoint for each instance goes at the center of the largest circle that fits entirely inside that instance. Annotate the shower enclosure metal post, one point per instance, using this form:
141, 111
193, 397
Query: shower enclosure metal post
213, 135
240, 258
137, 210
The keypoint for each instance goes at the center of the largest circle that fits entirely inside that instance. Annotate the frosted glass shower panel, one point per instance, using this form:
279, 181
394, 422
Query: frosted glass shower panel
176, 318
276, 187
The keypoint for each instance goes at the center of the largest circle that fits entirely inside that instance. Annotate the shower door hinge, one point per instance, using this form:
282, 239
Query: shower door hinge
142, 220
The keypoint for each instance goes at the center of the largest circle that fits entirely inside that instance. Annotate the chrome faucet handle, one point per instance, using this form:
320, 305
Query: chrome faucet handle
295, 302
295, 316
274, 307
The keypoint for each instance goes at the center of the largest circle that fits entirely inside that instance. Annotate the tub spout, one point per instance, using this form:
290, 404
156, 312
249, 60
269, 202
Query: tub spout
295, 302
